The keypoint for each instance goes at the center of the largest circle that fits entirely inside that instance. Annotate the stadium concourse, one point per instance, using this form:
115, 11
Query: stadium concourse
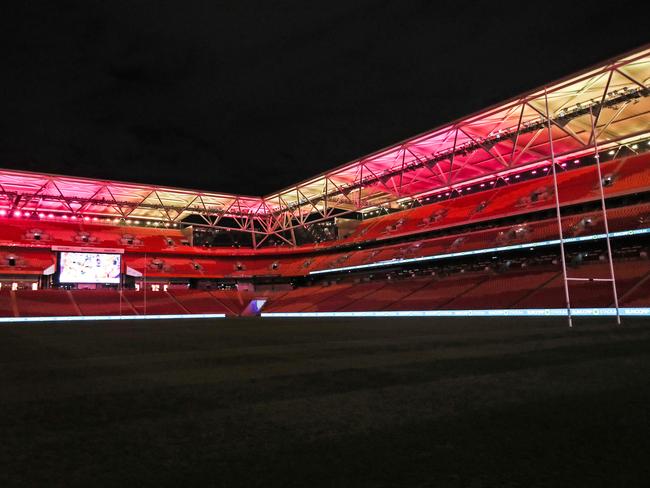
538, 205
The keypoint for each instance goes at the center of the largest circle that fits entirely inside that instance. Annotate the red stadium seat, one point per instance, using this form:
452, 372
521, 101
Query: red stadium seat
102, 302
45, 303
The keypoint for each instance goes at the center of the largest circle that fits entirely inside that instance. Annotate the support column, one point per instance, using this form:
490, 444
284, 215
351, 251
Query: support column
604, 210
558, 213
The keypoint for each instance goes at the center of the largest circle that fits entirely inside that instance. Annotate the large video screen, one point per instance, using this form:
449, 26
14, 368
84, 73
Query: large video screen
89, 267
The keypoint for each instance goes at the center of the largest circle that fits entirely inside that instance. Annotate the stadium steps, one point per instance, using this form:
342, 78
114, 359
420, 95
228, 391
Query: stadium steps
423, 285
434, 294
7, 308
74, 303
44, 303
199, 301
392, 292
231, 300
320, 299
128, 303
535, 290
499, 291
448, 304
586, 293
299, 299
14, 304
101, 302
350, 300
153, 303
638, 295
175, 300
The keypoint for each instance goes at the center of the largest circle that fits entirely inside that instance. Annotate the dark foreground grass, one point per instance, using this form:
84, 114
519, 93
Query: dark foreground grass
347, 402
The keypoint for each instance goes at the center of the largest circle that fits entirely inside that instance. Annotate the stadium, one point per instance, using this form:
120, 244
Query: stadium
467, 307
538, 205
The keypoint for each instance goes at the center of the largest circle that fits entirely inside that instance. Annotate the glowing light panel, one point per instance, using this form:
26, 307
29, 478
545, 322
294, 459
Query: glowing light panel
77, 318
520, 312
88, 267
530, 245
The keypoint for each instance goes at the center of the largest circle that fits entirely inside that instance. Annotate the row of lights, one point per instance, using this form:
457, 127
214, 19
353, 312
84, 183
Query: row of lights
634, 147
507, 178
483, 185
459, 191
86, 218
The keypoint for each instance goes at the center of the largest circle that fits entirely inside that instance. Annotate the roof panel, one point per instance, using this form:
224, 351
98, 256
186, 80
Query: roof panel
500, 138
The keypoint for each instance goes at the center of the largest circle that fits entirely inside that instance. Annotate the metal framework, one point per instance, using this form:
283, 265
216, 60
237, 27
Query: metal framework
502, 139
603, 107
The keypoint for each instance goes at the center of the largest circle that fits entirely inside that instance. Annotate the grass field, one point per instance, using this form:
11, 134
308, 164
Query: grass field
346, 402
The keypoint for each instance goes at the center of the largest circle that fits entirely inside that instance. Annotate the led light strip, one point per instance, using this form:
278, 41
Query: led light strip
83, 318
515, 312
389, 262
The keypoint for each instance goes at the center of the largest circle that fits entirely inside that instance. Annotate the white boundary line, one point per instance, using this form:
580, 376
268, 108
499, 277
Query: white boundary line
515, 312
85, 318
530, 245
519, 312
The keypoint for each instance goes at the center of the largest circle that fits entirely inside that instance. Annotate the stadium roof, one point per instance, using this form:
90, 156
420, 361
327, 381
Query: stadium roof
504, 138
499, 139
23, 190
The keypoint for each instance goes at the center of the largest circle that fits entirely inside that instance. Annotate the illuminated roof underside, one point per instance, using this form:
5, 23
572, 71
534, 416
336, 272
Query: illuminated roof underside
495, 141
22, 190
613, 98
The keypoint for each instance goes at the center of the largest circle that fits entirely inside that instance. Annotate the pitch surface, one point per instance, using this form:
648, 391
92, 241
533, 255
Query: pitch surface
372, 402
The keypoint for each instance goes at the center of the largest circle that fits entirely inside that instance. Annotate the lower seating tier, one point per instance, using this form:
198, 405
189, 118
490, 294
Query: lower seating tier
539, 286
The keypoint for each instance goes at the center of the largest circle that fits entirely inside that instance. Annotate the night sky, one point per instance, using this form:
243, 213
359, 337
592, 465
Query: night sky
251, 96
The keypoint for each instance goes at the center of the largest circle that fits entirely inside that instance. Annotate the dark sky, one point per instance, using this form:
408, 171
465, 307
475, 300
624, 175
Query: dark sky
252, 96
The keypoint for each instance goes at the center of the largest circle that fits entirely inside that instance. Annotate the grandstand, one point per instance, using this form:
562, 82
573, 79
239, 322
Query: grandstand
538, 203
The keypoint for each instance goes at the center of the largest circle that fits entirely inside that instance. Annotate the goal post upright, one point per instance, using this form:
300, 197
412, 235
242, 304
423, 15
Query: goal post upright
558, 213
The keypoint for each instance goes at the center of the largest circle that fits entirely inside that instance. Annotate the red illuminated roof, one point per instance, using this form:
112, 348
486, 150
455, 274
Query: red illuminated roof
501, 139
21, 190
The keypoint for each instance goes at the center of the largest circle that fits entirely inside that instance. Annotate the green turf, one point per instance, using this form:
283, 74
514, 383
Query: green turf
337, 402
